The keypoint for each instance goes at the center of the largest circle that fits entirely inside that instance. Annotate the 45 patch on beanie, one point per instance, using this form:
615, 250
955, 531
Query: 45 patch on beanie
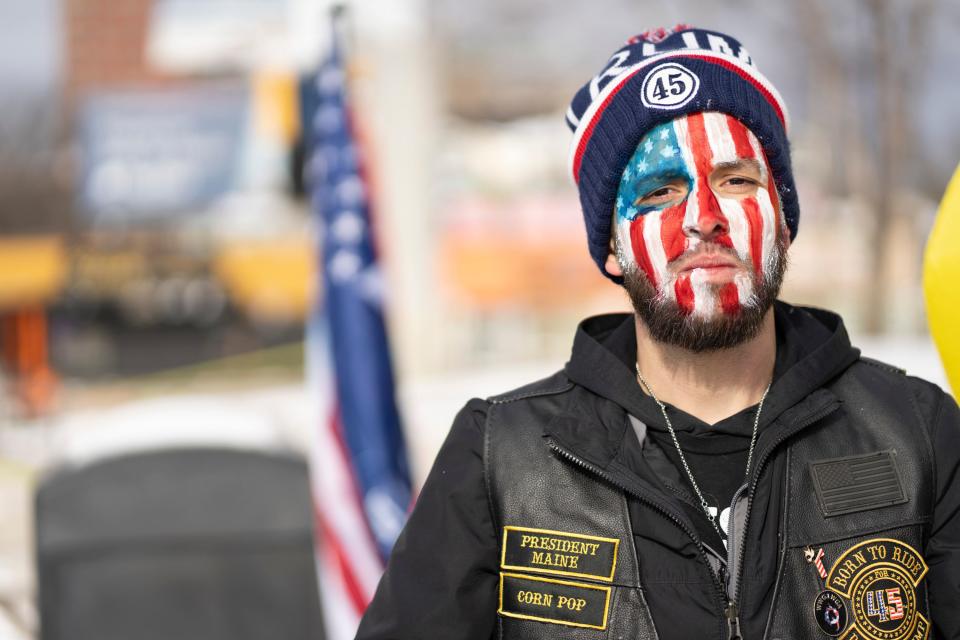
657, 76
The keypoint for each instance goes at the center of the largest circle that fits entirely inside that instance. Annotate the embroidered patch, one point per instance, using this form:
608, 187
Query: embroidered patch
857, 483
573, 604
669, 86
879, 577
559, 553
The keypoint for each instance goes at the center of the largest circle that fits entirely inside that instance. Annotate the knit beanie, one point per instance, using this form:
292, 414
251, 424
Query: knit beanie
657, 76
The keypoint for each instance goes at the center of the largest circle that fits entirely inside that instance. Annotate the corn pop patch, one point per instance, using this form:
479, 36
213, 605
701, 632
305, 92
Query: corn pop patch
574, 604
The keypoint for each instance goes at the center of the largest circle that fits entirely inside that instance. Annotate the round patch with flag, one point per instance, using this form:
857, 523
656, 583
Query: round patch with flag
831, 613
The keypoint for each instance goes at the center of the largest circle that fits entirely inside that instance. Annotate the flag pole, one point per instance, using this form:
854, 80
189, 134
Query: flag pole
359, 468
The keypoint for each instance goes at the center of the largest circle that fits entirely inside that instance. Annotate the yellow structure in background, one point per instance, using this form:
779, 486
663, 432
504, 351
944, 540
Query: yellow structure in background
941, 281
275, 108
272, 281
33, 270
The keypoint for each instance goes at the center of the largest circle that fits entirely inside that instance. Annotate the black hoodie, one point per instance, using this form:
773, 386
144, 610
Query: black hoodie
717, 454
442, 578
812, 348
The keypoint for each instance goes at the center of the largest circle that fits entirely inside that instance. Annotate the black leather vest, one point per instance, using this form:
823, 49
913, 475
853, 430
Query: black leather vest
858, 493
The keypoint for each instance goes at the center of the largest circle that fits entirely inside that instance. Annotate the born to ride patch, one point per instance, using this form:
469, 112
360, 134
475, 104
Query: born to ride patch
559, 553
879, 577
556, 601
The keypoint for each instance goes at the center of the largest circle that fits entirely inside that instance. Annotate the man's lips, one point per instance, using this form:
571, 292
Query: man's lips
713, 261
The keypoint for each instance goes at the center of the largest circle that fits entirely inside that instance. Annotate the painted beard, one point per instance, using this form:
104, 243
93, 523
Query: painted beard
656, 235
669, 323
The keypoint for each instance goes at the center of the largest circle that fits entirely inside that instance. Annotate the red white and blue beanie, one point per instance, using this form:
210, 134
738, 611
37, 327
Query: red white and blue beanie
657, 76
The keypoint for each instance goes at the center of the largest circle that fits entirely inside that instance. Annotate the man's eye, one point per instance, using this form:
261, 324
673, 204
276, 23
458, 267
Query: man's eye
663, 193
739, 181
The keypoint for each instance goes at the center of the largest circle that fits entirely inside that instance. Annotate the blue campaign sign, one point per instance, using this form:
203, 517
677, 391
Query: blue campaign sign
154, 153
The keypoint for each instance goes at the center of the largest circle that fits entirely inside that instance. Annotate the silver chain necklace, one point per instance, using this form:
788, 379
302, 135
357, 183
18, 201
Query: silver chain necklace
683, 459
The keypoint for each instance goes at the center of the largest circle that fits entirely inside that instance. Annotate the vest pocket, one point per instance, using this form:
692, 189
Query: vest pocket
870, 586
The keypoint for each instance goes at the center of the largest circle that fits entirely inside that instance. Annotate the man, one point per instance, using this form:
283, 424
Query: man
718, 465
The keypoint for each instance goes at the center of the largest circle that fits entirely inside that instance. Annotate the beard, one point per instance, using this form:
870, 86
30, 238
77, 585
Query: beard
669, 324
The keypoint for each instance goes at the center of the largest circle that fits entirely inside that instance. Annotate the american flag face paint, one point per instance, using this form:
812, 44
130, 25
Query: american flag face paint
698, 190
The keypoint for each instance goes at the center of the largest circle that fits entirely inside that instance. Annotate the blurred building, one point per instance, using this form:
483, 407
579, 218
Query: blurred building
188, 237
185, 244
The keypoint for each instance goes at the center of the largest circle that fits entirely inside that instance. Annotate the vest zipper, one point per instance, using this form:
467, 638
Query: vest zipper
781, 546
732, 611
733, 621
727, 594
597, 471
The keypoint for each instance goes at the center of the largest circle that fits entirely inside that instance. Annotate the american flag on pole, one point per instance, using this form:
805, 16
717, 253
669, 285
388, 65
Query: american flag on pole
361, 483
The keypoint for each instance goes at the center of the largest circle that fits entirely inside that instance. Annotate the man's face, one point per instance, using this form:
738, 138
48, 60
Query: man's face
699, 234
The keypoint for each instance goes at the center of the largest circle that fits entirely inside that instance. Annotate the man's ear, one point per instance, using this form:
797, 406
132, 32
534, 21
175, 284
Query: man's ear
612, 265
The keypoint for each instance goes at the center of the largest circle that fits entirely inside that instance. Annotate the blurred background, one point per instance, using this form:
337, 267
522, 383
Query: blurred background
158, 260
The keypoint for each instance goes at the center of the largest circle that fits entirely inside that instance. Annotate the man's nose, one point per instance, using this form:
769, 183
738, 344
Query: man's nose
709, 221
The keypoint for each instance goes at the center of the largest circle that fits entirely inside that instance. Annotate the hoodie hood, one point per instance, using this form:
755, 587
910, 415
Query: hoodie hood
812, 348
